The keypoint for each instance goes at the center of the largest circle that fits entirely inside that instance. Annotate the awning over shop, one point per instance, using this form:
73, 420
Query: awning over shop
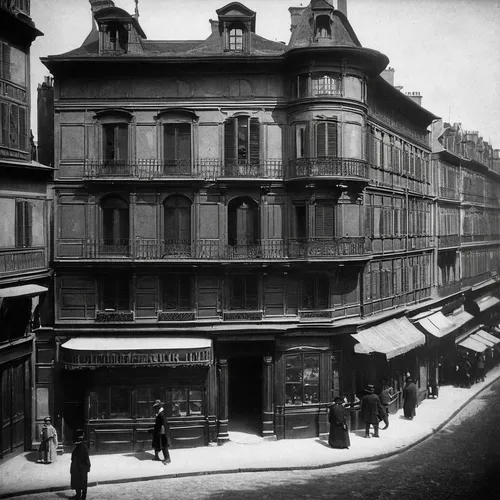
486, 302
487, 336
473, 344
460, 319
392, 338
438, 325
22, 291
94, 352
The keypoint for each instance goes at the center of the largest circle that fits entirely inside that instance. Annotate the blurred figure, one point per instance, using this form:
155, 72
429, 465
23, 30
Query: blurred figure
80, 467
47, 452
410, 399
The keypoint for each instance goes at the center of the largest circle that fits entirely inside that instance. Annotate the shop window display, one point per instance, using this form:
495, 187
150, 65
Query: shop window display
186, 402
302, 379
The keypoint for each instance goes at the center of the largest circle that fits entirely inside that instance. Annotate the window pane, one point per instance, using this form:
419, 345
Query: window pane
101, 403
242, 138
120, 402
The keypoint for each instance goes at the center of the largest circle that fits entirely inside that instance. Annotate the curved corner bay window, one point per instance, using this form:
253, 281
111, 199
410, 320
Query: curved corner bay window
320, 85
302, 379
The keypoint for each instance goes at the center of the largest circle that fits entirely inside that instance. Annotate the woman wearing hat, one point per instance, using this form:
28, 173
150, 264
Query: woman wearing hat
47, 452
161, 433
339, 433
80, 467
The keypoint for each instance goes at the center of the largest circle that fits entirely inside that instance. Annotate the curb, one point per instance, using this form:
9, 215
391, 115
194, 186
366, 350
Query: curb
373, 458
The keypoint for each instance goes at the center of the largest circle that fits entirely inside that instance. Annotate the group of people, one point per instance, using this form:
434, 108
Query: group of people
374, 409
471, 369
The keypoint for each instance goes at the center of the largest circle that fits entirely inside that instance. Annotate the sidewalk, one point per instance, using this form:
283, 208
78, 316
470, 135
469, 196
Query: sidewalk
22, 475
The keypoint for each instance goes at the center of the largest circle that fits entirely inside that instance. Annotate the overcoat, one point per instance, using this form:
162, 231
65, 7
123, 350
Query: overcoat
80, 466
372, 409
161, 432
48, 445
410, 400
339, 434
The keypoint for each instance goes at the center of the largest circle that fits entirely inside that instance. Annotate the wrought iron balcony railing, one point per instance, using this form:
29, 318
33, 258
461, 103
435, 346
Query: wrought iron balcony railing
203, 168
328, 247
326, 166
22, 259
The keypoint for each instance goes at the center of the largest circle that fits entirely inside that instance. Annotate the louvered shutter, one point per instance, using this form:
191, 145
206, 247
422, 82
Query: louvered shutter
169, 142
324, 220
109, 142
321, 139
28, 224
23, 132
20, 218
14, 126
184, 142
229, 140
4, 123
121, 142
184, 223
254, 140
332, 139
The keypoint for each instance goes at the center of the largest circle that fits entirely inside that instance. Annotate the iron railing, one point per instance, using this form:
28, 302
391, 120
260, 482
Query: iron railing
325, 166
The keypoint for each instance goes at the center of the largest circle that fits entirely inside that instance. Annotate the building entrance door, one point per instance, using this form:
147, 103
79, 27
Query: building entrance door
245, 394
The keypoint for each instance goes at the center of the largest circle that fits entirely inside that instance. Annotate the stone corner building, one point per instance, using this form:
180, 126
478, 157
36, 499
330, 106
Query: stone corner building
245, 229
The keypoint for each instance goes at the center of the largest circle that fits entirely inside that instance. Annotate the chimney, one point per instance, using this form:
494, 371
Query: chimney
415, 96
342, 6
388, 75
214, 25
295, 13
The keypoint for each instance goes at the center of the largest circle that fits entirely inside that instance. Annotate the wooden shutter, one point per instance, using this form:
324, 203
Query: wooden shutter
121, 142
184, 223
169, 141
20, 223
321, 139
14, 126
109, 142
229, 140
183, 142
332, 139
324, 220
254, 140
5, 61
23, 132
28, 224
4, 123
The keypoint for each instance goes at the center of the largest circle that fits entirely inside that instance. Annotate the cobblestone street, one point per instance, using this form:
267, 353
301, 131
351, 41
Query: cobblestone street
459, 462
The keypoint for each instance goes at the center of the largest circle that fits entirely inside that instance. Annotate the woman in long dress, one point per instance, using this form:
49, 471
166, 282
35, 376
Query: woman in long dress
47, 452
339, 433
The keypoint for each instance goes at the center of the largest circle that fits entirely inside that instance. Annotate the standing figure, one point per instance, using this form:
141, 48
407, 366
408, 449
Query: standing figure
339, 433
373, 411
47, 452
80, 467
480, 367
385, 398
161, 433
410, 399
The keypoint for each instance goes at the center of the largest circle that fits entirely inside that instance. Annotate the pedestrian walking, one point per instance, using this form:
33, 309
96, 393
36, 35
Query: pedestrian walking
339, 432
385, 398
161, 433
47, 451
480, 366
410, 399
80, 467
373, 411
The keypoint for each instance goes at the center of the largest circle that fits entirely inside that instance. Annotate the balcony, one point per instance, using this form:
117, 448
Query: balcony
22, 259
324, 166
304, 248
449, 193
204, 168
449, 240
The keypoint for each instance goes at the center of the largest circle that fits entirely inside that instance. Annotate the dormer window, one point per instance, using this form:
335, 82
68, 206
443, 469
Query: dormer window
323, 28
116, 38
236, 25
236, 39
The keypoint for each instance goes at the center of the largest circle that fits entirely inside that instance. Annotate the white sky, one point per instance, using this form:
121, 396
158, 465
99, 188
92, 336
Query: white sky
448, 50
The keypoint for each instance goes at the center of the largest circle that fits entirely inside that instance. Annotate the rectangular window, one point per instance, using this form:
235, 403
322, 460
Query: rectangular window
177, 143
324, 220
5, 61
302, 379
115, 142
177, 293
236, 39
299, 221
244, 292
300, 141
24, 223
242, 139
315, 292
326, 139
336, 371
116, 293
120, 403
186, 401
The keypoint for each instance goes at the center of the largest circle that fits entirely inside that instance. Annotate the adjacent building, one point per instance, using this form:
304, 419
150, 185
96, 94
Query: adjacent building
245, 229
24, 239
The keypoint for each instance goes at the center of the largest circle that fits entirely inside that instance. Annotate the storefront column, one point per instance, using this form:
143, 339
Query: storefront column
223, 436
212, 404
267, 403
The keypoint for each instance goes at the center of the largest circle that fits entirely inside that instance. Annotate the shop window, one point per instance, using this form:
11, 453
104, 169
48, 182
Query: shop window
99, 408
115, 225
242, 140
115, 139
177, 293
115, 293
326, 139
177, 148
315, 292
24, 223
178, 222
185, 402
325, 85
120, 402
244, 292
302, 379
146, 396
336, 371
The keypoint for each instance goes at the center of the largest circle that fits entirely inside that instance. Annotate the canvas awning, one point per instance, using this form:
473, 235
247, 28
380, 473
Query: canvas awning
488, 336
438, 325
486, 302
473, 344
391, 338
22, 291
461, 318
94, 352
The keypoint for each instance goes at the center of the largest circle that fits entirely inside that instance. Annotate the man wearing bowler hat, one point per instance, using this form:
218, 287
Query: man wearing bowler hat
161, 433
373, 411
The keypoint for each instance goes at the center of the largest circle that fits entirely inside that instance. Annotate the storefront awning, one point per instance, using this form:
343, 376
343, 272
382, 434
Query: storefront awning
391, 338
438, 325
487, 336
460, 319
95, 352
22, 291
473, 344
486, 302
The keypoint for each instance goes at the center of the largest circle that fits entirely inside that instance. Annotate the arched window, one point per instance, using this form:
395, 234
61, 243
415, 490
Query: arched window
243, 222
177, 231
115, 225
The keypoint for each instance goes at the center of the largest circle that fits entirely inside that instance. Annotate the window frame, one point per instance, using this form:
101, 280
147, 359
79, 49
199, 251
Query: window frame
24, 224
177, 281
311, 287
114, 289
298, 372
247, 303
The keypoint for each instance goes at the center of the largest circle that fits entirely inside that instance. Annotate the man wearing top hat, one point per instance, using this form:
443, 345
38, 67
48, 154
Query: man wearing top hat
161, 433
373, 411
80, 467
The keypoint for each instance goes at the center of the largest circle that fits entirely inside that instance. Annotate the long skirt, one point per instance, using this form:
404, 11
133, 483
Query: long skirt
339, 437
409, 410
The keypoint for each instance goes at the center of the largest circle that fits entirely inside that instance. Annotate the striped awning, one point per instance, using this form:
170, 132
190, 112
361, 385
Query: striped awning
486, 302
391, 338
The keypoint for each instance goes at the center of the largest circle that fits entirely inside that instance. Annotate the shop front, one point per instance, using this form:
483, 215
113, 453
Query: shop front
110, 385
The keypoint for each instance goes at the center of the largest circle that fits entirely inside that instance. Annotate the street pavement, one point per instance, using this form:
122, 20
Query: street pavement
22, 475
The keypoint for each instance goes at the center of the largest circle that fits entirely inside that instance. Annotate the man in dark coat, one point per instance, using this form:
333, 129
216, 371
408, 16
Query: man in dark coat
410, 399
161, 433
373, 411
80, 467
339, 433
